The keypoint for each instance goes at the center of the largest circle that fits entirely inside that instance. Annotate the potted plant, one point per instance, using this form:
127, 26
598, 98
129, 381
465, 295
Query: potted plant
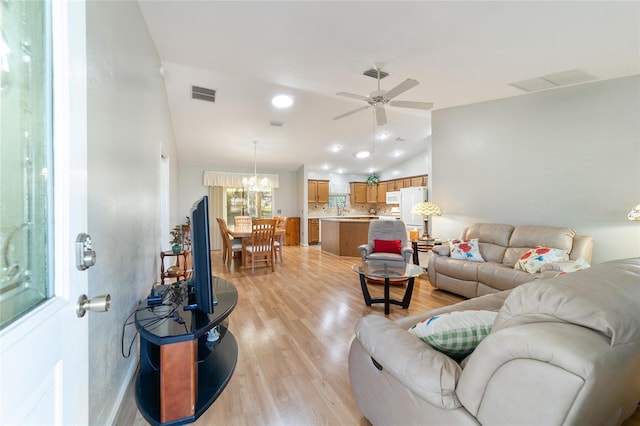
177, 238
373, 180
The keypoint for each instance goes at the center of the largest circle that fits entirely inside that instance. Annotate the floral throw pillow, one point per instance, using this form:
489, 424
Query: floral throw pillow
533, 260
465, 250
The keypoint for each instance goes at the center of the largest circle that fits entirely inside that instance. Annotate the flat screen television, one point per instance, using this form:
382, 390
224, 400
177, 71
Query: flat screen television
199, 285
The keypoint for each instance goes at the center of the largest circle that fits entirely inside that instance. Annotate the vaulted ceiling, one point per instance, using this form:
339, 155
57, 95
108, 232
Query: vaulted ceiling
460, 52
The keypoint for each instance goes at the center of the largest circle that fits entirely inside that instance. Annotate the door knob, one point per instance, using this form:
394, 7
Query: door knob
97, 304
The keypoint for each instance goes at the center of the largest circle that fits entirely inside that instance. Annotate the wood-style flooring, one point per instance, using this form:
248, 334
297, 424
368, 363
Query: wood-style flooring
293, 328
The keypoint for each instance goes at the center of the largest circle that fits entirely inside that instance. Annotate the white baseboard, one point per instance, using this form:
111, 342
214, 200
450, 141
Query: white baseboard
122, 392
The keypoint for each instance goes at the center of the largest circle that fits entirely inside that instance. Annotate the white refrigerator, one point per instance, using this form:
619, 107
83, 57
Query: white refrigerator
409, 197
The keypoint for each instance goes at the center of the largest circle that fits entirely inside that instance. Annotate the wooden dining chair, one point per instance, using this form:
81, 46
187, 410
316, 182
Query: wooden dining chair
260, 248
230, 246
242, 222
278, 240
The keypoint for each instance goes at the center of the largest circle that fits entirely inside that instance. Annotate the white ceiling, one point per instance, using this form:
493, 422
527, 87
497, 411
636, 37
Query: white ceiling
460, 52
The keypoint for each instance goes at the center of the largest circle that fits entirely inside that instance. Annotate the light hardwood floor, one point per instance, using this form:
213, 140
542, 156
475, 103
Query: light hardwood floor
294, 327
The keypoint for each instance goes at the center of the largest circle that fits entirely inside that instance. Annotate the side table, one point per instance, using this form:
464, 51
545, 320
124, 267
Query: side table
423, 246
180, 270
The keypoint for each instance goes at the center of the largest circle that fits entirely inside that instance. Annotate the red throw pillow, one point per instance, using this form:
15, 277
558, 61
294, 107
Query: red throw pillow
386, 246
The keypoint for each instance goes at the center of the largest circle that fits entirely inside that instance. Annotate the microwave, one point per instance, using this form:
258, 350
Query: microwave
393, 197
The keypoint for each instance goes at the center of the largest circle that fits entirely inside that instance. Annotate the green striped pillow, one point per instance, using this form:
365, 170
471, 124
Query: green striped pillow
455, 334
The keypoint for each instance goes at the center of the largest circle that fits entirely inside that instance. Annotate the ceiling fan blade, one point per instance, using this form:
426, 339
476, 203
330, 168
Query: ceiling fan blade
401, 88
353, 111
410, 104
353, 96
381, 116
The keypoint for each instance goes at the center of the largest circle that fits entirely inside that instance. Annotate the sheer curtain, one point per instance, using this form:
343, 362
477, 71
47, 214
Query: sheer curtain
216, 209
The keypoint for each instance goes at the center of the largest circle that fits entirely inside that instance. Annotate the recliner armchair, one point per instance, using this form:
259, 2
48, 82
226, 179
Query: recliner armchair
387, 230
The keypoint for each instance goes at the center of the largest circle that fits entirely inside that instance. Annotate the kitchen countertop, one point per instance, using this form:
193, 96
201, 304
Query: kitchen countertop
356, 216
349, 219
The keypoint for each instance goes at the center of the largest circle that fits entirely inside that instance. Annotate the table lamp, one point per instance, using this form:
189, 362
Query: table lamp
426, 209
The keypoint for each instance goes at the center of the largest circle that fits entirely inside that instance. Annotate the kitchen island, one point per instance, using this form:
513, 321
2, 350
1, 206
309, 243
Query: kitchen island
342, 236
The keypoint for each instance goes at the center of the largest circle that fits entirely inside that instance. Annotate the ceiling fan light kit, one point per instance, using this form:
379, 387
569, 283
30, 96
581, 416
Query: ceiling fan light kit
379, 98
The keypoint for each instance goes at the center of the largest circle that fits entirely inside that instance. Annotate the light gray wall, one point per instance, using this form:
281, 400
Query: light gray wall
128, 128
565, 157
418, 164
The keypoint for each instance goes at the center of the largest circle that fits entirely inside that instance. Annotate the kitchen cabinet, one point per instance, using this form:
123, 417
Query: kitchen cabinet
318, 191
292, 231
343, 236
406, 182
358, 193
382, 192
398, 184
314, 231
419, 181
372, 194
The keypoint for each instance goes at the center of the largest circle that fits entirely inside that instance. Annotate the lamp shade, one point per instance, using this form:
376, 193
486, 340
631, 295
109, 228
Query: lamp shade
634, 214
426, 208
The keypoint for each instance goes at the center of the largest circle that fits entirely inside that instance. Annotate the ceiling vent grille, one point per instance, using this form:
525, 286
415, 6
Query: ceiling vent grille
275, 123
373, 73
549, 81
203, 94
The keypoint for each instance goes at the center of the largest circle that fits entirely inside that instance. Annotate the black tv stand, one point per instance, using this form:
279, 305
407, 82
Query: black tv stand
181, 373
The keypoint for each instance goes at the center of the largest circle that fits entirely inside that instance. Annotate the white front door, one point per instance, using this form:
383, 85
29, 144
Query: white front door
43, 343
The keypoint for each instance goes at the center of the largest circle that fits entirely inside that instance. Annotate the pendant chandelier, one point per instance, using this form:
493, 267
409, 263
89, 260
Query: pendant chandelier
252, 183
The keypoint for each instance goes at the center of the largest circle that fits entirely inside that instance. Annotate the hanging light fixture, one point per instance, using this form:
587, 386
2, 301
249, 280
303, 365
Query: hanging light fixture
252, 183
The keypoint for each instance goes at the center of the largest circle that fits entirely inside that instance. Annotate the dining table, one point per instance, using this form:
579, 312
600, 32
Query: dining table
244, 234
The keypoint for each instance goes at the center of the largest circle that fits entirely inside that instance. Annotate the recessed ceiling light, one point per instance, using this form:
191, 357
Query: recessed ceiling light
340, 171
335, 148
282, 101
396, 153
383, 135
362, 154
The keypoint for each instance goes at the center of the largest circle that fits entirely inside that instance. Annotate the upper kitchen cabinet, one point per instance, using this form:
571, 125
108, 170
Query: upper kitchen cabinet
382, 192
318, 191
358, 192
372, 194
419, 180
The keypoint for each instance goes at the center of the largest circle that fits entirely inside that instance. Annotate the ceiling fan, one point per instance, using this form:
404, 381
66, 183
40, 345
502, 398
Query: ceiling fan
379, 98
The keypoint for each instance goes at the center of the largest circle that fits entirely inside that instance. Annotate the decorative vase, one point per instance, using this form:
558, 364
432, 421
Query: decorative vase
176, 249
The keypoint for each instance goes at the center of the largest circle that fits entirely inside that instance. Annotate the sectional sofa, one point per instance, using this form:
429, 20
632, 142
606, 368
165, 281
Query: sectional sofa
561, 351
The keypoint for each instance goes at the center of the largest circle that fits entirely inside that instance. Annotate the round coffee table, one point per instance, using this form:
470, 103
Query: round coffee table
387, 270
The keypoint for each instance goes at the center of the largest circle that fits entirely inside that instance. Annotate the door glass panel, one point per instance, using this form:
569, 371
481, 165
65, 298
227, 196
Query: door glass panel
244, 202
25, 156
236, 204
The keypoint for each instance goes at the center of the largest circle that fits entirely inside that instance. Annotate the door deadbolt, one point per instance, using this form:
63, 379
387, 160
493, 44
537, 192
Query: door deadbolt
85, 256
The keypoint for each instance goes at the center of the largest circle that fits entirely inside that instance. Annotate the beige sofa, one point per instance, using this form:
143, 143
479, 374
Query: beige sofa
501, 246
562, 351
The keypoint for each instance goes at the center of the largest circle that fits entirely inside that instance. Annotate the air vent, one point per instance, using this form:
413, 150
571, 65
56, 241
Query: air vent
275, 123
203, 94
373, 73
557, 79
